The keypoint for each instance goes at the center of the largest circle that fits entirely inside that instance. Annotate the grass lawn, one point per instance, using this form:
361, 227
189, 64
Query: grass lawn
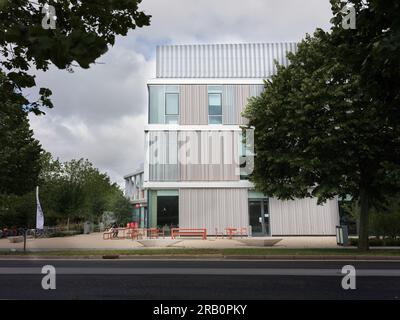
213, 252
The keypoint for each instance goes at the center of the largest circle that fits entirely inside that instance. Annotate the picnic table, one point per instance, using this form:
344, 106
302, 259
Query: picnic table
230, 232
122, 233
134, 233
137, 233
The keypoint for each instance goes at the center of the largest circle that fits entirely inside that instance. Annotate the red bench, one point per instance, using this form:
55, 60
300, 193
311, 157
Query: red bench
188, 232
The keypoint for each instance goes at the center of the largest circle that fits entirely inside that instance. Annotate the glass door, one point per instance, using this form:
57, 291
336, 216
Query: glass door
259, 217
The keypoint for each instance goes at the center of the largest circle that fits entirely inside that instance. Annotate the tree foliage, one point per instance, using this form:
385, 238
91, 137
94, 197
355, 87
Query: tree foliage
77, 190
74, 190
84, 31
19, 150
327, 125
385, 222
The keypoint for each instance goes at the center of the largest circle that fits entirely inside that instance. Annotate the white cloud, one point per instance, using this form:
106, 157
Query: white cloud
194, 21
100, 113
114, 147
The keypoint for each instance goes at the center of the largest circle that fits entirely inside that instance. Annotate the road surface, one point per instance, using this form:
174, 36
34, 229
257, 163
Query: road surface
198, 279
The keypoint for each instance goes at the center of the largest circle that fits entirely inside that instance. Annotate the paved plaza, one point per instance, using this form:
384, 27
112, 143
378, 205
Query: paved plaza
95, 241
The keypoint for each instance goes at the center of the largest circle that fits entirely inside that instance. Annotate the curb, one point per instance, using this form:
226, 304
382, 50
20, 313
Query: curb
314, 257
204, 257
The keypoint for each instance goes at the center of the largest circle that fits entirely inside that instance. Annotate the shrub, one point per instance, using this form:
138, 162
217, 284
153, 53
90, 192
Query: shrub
65, 233
375, 242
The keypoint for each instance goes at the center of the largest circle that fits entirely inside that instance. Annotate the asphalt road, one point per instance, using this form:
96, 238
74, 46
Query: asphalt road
138, 279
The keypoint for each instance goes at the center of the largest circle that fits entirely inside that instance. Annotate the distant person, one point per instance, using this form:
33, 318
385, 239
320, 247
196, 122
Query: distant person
114, 228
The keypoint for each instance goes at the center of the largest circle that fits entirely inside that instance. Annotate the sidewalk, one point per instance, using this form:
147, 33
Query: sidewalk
95, 241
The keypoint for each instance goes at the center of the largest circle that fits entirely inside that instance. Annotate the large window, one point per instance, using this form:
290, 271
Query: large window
167, 211
171, 108
163, 209
242, 155
246, 154
215, 105
163, 104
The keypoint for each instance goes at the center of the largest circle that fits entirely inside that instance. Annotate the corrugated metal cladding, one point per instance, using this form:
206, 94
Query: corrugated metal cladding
213, 208
163, 152
235, 99
209, 155
249, 60
303, 217
194, 103
193, 155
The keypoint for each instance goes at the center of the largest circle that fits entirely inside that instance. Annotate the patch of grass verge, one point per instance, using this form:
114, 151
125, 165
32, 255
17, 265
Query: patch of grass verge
216, 252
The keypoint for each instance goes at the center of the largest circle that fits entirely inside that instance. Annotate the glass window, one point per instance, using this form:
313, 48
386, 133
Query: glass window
171, 119
214, 108
242, 156
167, 211
214, 119
214, 99
171, 103
156, 104
163, 103
171, 108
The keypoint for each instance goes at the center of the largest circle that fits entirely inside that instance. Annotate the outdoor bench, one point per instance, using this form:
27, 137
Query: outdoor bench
188, 232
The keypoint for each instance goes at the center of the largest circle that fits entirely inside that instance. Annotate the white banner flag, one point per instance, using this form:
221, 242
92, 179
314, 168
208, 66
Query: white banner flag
39, 212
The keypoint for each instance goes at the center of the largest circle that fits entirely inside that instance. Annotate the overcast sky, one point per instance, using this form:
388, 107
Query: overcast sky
100, 113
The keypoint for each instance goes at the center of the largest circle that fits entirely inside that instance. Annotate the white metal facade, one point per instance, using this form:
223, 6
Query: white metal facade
303, 217
183, 155
213, 208
247, 60
213, 196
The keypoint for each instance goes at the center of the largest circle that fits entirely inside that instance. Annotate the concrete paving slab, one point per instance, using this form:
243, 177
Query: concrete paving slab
259, 242
158, 243
95, 241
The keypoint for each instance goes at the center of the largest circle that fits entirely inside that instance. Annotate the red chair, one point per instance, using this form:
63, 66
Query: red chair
243, 232
217, 233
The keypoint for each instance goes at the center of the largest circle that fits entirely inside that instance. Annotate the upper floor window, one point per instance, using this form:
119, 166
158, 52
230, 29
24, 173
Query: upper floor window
163, 104
215, 105
243, 157
171, 108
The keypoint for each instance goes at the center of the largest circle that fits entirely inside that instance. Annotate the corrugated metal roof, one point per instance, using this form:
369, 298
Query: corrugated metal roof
247, 60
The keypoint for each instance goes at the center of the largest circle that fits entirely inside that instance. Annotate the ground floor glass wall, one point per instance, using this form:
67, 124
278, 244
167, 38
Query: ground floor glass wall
259, 216
163, 209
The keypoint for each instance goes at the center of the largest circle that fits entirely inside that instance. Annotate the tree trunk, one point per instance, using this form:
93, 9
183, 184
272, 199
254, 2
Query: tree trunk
363, 234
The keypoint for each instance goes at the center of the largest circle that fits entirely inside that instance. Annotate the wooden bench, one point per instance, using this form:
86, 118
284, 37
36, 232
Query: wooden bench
188, 232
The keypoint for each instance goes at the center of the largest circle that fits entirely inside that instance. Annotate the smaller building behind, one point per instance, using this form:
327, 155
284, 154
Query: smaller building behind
136, 194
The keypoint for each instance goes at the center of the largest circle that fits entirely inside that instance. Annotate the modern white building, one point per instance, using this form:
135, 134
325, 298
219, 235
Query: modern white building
196, 161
